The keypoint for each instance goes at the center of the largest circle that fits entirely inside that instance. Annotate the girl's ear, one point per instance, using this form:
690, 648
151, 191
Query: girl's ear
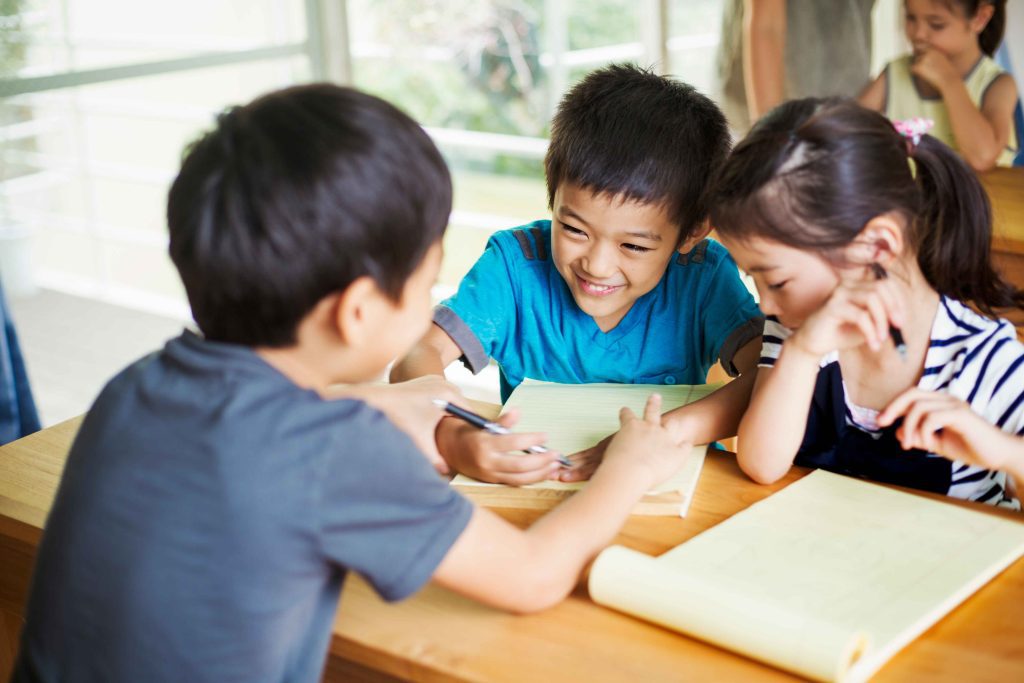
695, 238
881, 241
981, 18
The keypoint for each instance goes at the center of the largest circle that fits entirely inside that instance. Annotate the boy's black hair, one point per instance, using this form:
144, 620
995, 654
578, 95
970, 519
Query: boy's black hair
627, 131
293, 197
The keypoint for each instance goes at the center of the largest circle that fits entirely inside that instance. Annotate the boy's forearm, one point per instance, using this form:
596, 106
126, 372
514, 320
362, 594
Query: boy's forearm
562, 542
716, 416
421, 361
532, 570
772, 429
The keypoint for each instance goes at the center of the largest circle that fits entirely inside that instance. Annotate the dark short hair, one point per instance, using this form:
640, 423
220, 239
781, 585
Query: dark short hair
627, 131
293, 197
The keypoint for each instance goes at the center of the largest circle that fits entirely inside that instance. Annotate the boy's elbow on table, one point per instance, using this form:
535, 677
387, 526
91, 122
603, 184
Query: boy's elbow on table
534, 589
538, 593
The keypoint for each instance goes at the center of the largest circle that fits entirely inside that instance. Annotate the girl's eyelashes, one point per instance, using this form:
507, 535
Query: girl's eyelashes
777, 285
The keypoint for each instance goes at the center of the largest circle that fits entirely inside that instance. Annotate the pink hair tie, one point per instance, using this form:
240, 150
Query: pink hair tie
913, 128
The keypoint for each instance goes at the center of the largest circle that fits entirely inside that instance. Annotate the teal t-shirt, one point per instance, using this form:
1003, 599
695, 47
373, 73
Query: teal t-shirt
513, 306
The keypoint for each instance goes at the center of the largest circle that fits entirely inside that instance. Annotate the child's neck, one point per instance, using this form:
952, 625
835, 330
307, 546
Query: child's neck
966, 60
297, 366
316, 360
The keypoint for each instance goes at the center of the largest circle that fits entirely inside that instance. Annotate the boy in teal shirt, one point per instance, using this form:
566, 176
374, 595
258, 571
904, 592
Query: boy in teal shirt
621, 286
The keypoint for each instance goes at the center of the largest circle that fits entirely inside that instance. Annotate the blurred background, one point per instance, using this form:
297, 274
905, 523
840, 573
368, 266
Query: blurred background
99, 97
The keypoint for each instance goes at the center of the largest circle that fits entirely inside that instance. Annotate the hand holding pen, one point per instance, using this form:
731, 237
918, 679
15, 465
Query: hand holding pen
496, 453
894, 333
481, 422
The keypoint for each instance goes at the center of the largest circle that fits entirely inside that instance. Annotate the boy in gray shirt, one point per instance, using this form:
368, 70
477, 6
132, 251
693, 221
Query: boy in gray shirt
218, 492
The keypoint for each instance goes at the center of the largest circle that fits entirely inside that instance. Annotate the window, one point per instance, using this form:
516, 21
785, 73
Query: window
99, 97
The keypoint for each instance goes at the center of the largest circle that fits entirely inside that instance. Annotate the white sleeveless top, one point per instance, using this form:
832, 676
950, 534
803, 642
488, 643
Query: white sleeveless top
904, 101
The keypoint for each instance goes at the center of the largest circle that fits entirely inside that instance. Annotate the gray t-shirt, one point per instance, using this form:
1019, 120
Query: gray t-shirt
206, 519
827, 53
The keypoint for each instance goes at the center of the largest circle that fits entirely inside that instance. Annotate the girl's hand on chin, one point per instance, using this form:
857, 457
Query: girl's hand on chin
855, 314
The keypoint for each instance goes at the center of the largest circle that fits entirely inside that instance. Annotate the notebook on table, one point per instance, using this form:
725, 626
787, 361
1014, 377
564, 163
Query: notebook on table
577, 416
828, 578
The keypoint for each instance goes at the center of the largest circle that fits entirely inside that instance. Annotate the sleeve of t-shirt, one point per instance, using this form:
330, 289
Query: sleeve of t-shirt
731, 318
997, 386
482, 312
383, 510
771, 343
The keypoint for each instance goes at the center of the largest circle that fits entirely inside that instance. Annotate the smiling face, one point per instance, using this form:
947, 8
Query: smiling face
932, 24
609, 251
792, 283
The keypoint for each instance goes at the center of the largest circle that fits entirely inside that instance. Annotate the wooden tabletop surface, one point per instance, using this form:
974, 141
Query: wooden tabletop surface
439, 636
1005, 187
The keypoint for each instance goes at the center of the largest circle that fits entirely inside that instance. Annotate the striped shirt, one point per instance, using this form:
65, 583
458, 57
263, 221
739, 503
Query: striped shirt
973, 358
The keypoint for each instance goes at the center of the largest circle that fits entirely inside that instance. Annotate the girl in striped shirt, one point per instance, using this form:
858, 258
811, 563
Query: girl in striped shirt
818, 204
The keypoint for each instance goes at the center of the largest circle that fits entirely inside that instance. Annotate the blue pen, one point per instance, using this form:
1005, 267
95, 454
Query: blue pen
482, 422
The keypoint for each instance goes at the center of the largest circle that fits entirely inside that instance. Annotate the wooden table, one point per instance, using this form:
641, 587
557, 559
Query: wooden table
439, 636
1005, 187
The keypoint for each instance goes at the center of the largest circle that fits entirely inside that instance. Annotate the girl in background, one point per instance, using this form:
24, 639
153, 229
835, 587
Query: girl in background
951, 79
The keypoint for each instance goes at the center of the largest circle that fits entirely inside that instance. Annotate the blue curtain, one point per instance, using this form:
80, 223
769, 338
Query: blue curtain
1003, 59
18, 415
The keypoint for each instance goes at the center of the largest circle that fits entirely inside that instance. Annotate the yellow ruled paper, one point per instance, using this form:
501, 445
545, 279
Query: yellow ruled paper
577, 416
829, 578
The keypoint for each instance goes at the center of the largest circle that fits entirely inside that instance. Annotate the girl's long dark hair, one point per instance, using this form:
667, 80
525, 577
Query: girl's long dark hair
813, 173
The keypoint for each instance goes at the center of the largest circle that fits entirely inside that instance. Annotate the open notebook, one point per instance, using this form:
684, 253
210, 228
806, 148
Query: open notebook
577, 416
829, 578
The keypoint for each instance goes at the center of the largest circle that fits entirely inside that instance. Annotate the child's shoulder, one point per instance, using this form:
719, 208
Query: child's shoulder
957, 324
903, 61
525, 243
708, 260
977, 347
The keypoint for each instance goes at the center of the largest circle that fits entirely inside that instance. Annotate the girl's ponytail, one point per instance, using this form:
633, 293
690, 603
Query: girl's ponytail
954, 230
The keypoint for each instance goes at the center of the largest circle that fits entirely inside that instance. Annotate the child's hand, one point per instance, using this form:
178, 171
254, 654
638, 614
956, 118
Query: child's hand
940, 423
409, 405
855, 314
584, 463
646, 443
495, 458
935, 68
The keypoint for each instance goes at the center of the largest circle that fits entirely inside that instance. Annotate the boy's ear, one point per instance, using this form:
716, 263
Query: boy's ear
355, 311
881, 241
701, 232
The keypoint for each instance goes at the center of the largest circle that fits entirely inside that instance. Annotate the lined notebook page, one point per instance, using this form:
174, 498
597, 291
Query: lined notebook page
828, 578
577, 416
